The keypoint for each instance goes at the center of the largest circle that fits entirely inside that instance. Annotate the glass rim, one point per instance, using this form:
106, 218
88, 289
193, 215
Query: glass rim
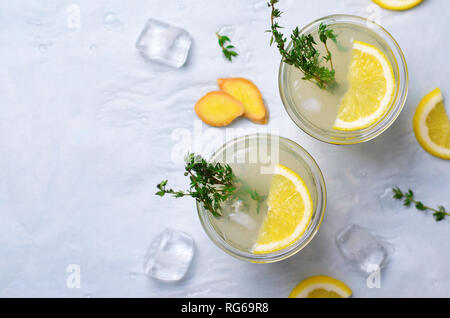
307, 236
362, 135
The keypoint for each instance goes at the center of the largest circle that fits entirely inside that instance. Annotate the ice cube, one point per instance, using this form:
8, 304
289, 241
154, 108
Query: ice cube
312, 105
243, 219
236, 212
164, 43
363, 249
169, 256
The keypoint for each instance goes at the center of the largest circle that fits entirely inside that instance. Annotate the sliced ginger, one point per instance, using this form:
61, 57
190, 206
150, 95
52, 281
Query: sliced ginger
248, 94
218, 109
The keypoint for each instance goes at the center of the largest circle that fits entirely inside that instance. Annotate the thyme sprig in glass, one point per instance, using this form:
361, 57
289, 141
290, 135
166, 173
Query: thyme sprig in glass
304, 54
408, 200
211, 184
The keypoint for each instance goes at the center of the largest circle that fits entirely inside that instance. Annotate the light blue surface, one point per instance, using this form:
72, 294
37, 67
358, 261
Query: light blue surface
87, 129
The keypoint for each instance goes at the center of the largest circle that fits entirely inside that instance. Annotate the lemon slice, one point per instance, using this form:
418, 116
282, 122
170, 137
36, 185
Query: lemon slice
290, 209
321, 287
432, 126
397, 4
372, 88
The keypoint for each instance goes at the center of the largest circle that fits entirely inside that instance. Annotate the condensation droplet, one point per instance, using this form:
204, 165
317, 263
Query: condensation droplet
181, 5
248, 57
93, 47
144, 120
112, 21
227, 30
260, 5
43, 48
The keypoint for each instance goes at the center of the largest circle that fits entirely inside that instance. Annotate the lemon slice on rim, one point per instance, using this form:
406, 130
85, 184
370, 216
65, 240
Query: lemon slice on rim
432, 126
397, 4
290, 209
321, 287
372, 89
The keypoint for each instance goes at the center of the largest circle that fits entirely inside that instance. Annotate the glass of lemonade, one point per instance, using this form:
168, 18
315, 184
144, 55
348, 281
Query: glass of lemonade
253, 158
315, 110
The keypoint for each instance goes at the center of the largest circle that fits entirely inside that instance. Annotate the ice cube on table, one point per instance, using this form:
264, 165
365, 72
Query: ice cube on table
164, 43
169, 256
363, 249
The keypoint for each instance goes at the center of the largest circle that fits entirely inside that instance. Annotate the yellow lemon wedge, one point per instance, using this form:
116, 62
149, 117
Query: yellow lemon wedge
432, 126
397, 5
290, 209
321, 287
372, 89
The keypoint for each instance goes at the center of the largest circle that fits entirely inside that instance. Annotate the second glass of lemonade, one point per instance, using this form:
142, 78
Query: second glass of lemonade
371, 83
279, 203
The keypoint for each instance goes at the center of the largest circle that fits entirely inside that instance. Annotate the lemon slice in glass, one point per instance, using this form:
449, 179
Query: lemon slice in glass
290, 209
432, 126
321, 287
397, 4
372, 89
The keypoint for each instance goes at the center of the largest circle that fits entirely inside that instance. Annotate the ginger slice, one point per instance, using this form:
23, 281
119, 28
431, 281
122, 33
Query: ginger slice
248, 94
218, 109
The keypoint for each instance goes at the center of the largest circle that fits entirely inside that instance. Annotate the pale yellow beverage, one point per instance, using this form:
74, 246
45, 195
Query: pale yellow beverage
320, 106
362, 48
252, 159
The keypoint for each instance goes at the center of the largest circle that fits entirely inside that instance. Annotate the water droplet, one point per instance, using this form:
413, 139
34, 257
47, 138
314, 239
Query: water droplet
144, 120
37, 38
363, 174
42, 48
112, 21
227, 30
132, 275
87, 295
260, 5
388, 203
181, 5
248, 57
93, 47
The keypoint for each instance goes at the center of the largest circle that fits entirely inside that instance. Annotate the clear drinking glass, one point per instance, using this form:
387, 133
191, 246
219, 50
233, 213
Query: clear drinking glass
349, 28
251, 157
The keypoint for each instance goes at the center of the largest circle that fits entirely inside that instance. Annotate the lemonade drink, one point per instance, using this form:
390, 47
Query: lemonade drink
315, 110
254, 160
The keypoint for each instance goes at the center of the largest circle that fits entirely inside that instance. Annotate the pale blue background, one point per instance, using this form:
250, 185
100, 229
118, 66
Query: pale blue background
85, 135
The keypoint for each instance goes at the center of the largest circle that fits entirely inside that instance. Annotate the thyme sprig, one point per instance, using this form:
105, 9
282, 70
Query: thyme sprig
211, 184
226, 48
244, 188
303, 54
408, 200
